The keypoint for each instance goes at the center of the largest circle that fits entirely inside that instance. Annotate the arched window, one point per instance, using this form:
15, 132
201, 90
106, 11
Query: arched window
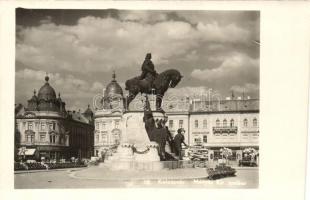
224, 122
232, 122
255, 122
217, 122
205, 124
245, 122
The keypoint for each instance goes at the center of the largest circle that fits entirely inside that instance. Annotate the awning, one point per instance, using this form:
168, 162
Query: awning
26, 152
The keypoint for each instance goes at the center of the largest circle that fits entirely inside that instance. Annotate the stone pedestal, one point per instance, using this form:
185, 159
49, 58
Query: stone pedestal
136, 151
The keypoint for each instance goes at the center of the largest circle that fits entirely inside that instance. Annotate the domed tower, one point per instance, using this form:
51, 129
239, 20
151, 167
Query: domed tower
61, 104
47, 100
113, 95
33, 102
89, 114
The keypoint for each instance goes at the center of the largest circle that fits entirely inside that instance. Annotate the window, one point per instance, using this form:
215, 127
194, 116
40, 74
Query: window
30, 138
197, 140
54, 126
50, 127
232, 122
224, 122
196, 123
52, 139
97, 138
104, 138
205, 139
97, 125
255, 122
42, 127
180, 123
116, 123
245, 122
37, 125
24, 125
170, 123
30, 126
217, 123
16, 125
42, 138
104, 125
204, 123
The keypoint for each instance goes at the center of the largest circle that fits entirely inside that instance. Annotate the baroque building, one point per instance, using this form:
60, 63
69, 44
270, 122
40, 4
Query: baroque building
108, 118
45, 129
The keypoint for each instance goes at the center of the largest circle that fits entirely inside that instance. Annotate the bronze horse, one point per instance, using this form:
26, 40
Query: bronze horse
159, 84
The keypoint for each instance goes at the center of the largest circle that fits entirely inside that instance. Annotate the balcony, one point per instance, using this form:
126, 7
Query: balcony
225, 130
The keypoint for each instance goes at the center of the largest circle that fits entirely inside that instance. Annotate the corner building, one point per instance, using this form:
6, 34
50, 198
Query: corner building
46, 130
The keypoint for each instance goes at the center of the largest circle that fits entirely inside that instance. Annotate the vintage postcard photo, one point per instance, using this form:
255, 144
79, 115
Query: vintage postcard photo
127, 98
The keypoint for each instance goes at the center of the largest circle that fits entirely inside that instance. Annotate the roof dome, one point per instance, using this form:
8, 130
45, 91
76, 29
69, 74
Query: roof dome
46, 91
113, 88
34, 97
88, 111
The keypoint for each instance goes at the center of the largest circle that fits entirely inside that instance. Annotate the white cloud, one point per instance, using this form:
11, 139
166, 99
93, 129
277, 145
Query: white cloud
100, 44
74, 91
232, 67
143, 16
246, 88
190, 91
229, 33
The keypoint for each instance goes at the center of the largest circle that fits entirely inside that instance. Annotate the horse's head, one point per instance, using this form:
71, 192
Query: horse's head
175, 78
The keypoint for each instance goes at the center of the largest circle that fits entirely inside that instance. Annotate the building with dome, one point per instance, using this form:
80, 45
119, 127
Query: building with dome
214, 124
45, 129
108, 119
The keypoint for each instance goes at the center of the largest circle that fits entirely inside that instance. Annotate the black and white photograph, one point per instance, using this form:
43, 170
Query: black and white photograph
114, 98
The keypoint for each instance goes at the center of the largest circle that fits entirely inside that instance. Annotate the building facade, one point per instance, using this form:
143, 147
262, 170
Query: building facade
108, 120
216, 124
44, 129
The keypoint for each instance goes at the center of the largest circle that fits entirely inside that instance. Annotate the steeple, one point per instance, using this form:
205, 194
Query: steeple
114, 77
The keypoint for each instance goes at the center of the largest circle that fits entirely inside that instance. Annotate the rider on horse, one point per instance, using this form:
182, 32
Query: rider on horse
148, 69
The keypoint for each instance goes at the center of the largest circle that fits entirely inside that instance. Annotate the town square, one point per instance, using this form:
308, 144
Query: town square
122, 98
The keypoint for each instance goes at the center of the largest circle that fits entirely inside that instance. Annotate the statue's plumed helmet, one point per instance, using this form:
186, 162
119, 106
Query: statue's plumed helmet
148, 56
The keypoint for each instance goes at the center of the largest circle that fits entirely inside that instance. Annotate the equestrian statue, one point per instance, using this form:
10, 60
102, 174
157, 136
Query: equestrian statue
150, 82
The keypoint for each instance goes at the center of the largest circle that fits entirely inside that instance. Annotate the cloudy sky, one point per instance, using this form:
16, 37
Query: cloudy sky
79, 49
